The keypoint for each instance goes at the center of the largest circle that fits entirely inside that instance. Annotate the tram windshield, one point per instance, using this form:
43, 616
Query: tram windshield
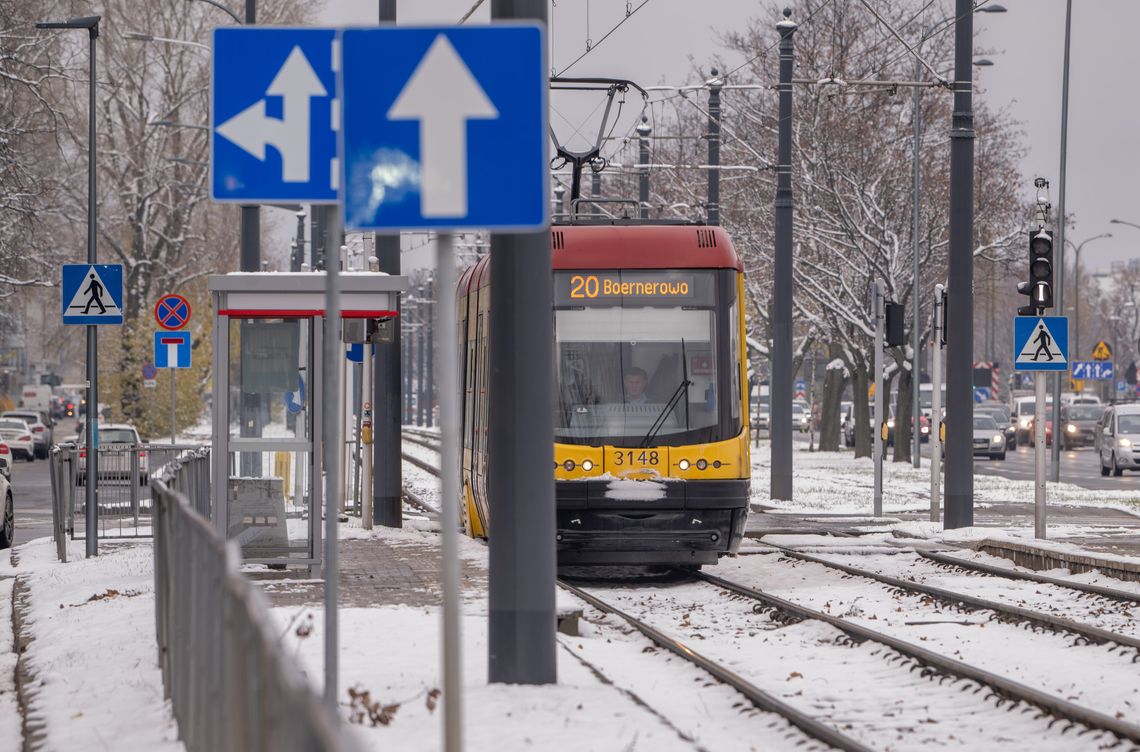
639, 358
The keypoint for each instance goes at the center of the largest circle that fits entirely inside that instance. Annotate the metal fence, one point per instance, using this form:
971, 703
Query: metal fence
124, 498
231, 685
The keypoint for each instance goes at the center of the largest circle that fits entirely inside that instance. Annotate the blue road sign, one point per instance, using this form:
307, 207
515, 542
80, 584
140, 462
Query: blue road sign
355, 352
1041, 343
1121, 386
149, 371
452, 135
92, 293
172, 349
981, 393
1093, 369
273, 118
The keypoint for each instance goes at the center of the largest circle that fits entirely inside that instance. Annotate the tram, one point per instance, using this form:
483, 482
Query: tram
651, 455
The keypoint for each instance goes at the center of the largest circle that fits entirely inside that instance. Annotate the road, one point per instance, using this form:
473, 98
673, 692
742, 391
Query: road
31, 490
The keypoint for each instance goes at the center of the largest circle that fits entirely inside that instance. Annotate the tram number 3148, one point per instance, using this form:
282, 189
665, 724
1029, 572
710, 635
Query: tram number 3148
630, 457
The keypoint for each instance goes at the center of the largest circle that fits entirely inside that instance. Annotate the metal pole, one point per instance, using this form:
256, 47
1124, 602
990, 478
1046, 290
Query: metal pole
780, 391
449, 495
715, 85
429, 374
936, 406
91, 524
878, 318
1055, 468
1039, 454
521, 630
368, 391
421, 340
173, 424
643, 131
595, 192
333, 441
1075, 352
386, 468
960, 305
915, 371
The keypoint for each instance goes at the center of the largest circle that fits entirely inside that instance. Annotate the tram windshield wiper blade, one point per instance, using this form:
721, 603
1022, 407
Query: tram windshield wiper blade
658, 424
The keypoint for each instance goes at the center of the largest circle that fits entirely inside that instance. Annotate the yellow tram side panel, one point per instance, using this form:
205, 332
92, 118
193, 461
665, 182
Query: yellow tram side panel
745, 387
475, 506
732, 455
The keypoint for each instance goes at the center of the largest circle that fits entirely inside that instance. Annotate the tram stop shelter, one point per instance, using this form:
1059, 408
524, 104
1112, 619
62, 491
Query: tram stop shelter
268, 371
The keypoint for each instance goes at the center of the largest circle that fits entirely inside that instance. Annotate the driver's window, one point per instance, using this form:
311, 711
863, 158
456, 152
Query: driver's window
1109, 423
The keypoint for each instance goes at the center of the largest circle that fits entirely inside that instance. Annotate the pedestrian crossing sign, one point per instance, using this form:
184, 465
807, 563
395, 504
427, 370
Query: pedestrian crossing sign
1041, 343
92, 293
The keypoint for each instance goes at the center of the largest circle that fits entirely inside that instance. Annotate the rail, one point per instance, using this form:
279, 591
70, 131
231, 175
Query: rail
232, 687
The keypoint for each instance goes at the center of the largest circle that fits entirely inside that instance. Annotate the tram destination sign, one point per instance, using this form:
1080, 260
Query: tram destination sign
613, 287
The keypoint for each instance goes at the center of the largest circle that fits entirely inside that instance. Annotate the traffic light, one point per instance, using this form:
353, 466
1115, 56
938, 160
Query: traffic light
896, 326
1039, 288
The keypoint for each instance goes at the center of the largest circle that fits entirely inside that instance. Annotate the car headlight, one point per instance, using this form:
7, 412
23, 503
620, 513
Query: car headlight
1124, 442
587, 465
1024, 422
891, 423
1010, 429
997, 439
1071, 428
925, 429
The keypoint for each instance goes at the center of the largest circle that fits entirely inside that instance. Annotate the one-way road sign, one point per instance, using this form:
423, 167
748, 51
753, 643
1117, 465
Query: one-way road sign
453, 133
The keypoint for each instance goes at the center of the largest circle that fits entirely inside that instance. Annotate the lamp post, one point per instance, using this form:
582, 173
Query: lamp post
1077, 288
916, 326
91, 25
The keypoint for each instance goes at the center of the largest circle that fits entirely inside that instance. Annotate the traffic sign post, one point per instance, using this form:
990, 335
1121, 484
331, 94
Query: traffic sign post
1041, 344
273, 86
1098, 370
172, 351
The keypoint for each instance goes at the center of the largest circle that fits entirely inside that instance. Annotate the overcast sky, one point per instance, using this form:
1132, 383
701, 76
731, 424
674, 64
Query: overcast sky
663, 39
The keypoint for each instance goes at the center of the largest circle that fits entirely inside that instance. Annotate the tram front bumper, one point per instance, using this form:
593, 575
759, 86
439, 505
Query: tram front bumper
689, 522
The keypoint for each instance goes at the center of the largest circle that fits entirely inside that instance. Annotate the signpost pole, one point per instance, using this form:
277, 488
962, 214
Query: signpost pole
936, 407
173, 374
333, 441
1039, 454
880, 401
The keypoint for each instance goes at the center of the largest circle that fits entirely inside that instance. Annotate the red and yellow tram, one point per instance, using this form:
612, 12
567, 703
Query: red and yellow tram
651, 453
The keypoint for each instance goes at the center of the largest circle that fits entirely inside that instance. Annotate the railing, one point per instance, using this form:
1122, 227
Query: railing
123, 495
231, 686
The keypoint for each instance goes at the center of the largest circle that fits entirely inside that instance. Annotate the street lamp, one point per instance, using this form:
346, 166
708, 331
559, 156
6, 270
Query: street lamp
91, 25
916, 327
1077, 287
226, 10
138, 36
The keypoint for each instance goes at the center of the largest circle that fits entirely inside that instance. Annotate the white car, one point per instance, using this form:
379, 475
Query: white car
1118, 439
5, 460
117, 443
8, 515
18, 436
42, 433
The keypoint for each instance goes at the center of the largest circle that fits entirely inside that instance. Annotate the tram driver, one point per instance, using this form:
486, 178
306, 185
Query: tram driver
636, 380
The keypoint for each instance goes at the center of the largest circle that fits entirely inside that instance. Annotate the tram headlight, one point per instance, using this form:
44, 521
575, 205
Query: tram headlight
702, 464
587, 465
569, 465
683, 464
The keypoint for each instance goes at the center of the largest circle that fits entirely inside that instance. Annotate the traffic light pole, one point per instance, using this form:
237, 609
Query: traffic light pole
960, 305
936, 405
1055, 468
1039, 379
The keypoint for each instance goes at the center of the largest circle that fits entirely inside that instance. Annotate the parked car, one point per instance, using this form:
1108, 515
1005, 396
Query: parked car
1117, 437
1078, 424
41, 425
989, 441
114, 465
761, 414
5, 460
8, 516
1000, 414
18, 436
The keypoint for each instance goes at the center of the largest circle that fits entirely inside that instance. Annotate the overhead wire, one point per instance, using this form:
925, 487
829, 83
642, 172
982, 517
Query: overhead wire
590, 47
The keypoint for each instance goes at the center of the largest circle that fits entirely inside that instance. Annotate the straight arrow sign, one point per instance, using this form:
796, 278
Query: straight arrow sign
443, 125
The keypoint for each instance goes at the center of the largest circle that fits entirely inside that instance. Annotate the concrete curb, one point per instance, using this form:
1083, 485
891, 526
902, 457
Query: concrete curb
32, 723
1040, 557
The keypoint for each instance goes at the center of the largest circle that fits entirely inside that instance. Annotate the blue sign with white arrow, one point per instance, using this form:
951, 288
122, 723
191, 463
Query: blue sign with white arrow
273, 117
92, 293
445, 127
1041, 343
1093, 369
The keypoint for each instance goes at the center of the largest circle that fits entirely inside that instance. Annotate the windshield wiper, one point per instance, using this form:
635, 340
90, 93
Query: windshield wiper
658, 424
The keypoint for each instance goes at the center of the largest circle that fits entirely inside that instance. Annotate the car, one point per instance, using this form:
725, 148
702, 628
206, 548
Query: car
18, 436
5, 460
8, 516
989, 441
1048, 431
41, 425
113, 465
1022, 415
1001, 416
1078, 424
761, 414
801, 418
1117, 437
923, 427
